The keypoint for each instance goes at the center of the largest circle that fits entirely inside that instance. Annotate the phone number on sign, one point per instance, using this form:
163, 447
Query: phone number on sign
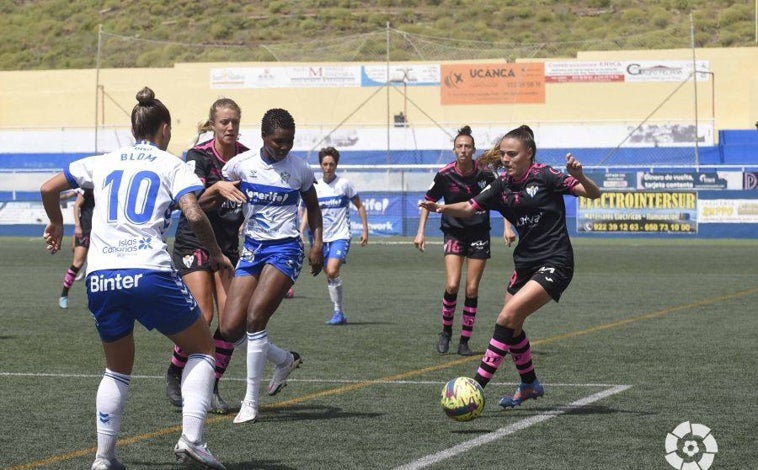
638, 227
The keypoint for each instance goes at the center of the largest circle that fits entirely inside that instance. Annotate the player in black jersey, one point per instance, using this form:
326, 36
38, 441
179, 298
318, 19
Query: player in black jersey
530, 196
465, 238
191, 257
83, 207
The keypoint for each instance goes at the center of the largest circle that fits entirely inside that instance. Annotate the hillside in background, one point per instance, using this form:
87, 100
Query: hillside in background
60, 34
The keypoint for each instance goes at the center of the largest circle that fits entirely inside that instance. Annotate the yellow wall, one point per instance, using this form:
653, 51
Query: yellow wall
66, 98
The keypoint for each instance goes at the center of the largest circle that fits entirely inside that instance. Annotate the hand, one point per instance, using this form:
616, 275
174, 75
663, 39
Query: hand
431, 206
573, 166
230, 190
509, 237
221, 263
419, 242
53, 236
316, 260
364, 239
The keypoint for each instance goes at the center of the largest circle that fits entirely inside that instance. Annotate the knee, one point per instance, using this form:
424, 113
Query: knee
472, 291
510, 320
230, 331
452, 288
230, 335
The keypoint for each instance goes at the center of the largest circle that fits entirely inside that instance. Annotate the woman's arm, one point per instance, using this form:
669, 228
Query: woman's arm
364, 219
219, 192
316, 224
420, 242
462, 210
51, 194
586, 187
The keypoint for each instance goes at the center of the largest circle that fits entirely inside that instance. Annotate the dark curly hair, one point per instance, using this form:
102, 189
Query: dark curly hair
276, 118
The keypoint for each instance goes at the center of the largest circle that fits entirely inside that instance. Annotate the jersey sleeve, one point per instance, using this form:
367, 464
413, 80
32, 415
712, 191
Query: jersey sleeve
200, 165
184, 181
79, 173
489, 198
560, 182
308, 178
436, 190
350, 191
229, 171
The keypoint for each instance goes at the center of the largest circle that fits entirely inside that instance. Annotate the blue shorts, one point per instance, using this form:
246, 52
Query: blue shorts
156, 299
336, 249
286, 255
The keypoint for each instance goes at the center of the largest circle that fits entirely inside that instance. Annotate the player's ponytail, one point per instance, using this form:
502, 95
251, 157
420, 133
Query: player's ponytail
491, 159
465, 131
148, 115
524, 134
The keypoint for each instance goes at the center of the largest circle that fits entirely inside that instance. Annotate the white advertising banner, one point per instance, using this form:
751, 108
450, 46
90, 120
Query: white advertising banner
315, 76
625, 71
408, 74
728, 211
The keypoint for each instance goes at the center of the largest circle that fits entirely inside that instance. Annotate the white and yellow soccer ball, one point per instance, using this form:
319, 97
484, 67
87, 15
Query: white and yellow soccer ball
462, 399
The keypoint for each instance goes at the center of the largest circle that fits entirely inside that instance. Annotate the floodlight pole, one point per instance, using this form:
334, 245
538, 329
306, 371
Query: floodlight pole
387, 86
694, 81
97, 77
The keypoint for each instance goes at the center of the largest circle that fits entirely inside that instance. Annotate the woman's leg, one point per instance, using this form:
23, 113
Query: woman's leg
453, 268
474, 273
112, 394
270, 289
200, 284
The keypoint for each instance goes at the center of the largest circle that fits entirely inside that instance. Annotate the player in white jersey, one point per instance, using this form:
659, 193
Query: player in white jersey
272, 183
335, 194
130, 275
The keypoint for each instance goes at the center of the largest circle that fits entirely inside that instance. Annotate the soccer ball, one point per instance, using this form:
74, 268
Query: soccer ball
462, 399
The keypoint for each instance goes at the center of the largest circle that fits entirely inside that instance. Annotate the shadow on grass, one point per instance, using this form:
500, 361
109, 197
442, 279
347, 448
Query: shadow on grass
581, 410
258, 465
472, 431
310, 413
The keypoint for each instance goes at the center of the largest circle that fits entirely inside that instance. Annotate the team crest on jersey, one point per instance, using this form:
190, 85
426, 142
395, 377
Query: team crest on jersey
532, 190
481, 184
284, 176
187, 260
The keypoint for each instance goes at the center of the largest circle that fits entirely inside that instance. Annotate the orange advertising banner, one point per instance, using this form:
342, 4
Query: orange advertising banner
500, 83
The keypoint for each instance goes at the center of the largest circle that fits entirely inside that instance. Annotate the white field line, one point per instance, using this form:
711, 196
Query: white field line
511, 429
326, 381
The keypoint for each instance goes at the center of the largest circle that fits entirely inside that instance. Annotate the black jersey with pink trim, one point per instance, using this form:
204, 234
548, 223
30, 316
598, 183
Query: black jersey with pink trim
225, 219
534, 205
454, 187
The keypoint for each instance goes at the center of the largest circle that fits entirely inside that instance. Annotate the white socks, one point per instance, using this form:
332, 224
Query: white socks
277, 355
197, 390
257, 345
111, 396
335, 292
